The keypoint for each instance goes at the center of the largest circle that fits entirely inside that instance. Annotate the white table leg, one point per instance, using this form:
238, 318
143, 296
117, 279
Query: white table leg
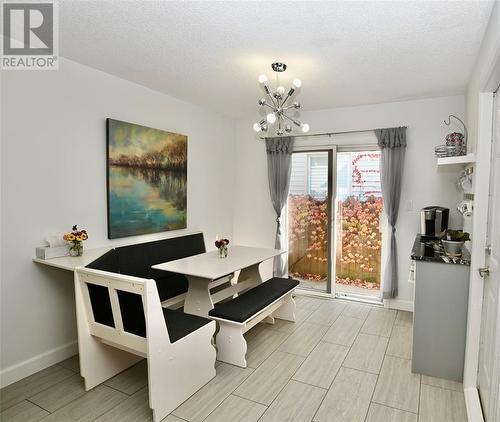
250, 274
198, 300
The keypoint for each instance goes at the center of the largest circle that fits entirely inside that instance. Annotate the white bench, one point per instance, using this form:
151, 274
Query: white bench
121, 321
269, 300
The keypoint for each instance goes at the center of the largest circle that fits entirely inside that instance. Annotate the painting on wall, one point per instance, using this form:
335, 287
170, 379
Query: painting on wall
147, 179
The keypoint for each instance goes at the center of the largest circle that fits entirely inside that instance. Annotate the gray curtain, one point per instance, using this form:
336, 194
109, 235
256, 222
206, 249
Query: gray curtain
392, 143
279, 167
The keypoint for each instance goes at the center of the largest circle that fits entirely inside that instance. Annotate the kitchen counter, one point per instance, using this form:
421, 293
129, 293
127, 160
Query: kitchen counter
433, 251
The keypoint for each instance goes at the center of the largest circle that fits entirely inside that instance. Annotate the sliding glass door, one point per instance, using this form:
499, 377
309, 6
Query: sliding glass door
334, 217
358, 224
309, 217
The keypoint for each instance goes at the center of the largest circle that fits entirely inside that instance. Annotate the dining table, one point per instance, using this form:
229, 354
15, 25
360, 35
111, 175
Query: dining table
207, 275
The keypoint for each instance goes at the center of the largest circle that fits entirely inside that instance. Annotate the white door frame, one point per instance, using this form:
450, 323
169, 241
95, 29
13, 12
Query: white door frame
490, 80
481, 192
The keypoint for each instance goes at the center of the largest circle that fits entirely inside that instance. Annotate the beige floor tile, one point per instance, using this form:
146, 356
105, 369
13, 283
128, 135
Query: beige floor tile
327, 313
301, 314
442, 383
367, 353
397, 386
308, 302
205, 400
343, 331
440, 404
61, 394
404, 318
73, 364
172, 418
303, 340
379, 322
237, 409
29, 386
379, 413
133, 409
261, 343
348, 398
89, 406
269, 378
355, 310
296, 402
23, 412
131, 380
401, 341
322, 364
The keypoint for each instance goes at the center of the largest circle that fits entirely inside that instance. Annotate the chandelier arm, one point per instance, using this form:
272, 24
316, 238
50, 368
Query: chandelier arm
288, 95
271, 107
295, 122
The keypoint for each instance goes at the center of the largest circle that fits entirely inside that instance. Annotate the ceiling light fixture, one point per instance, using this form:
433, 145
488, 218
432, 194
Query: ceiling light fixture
279, 103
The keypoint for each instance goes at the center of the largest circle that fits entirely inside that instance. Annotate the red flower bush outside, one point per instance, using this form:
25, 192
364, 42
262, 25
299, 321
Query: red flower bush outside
358, 239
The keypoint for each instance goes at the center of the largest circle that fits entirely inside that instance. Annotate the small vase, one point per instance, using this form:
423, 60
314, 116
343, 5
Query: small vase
223, 252
76, 248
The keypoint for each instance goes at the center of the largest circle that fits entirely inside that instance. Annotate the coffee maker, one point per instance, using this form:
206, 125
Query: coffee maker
434, 221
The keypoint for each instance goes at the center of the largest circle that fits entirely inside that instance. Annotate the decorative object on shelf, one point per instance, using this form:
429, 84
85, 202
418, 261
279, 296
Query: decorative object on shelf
75, 239
279, 102
456, 142
147, 179
55, 247
221, 245
453, 242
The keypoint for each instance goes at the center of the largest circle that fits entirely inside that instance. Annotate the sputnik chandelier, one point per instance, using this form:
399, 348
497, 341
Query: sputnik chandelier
280, 105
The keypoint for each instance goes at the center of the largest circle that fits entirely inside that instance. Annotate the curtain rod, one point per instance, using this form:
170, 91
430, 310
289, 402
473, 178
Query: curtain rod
327, 133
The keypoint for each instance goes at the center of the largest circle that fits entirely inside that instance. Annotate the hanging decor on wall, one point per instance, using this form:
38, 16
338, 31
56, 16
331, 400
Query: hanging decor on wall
282, 109
147, 179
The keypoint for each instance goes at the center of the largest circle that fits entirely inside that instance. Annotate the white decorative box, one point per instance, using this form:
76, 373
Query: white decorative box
47, 252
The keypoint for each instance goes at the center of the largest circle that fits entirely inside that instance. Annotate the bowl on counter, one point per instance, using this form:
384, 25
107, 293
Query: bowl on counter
452, 247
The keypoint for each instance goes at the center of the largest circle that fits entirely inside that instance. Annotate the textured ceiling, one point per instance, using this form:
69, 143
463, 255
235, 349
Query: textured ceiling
346, 53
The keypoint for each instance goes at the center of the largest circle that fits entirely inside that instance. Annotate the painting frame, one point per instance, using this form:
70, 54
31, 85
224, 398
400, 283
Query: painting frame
146, 174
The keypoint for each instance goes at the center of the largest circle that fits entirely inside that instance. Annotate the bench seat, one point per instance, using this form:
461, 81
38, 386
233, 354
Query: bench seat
248, 304
269, 300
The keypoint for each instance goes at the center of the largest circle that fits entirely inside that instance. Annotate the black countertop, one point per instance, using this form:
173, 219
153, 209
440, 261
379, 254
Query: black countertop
433, 251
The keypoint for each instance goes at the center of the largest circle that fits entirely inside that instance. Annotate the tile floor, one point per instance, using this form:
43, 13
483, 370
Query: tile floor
340, 362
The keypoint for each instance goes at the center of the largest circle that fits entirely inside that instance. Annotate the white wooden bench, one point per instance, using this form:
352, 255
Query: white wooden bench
121, 321
269, 300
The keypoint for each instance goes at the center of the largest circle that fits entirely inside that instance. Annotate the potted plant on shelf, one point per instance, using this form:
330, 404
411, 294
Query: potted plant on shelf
453, 242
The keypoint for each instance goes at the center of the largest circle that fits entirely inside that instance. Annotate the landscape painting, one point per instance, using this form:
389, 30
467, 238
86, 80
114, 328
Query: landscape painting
147, 179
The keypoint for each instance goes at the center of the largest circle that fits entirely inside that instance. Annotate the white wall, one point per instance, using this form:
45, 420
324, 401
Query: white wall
53, 173
254, 219
486, 73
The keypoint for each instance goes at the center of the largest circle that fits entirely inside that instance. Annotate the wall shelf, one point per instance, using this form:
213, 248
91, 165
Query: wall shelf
463, 159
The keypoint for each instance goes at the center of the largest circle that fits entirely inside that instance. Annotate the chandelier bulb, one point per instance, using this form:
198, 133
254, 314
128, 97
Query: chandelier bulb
296, 104
288, 128
257, 127
271, 118
279, 132
297, 83
280, 90
262, 101
304, 127
262, 79
264, 128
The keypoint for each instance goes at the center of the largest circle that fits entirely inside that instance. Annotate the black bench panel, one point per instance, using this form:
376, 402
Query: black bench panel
136, 260
254, 300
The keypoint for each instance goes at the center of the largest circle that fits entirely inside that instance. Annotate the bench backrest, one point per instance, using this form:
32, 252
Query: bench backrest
136, 260
121, 309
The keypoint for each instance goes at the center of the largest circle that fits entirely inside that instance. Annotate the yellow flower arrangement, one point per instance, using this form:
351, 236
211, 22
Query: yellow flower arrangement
75, 239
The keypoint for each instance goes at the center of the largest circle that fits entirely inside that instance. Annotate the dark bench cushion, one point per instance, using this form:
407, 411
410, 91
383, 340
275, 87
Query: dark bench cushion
137, 260
249, 303
178, 323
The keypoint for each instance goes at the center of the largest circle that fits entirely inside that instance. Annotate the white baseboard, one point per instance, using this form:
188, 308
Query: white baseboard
473, 405
399, 304
37, 363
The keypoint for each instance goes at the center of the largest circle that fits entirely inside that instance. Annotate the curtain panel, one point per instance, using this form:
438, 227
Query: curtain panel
279, 167
392, 143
